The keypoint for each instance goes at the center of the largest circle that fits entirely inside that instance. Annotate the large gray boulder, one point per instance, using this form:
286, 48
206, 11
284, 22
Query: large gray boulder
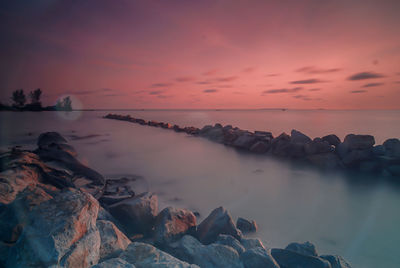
136, 214
298, 137
258, 258
249, 243
359, 142
113, 241
144, 255
392, 147
260, 147
336, 261
291, 259
245, 141
218, 222
230, 241
70, 218
332, 139
209, 256
172, 223
317, 146
48, 138
306, 248
246, 226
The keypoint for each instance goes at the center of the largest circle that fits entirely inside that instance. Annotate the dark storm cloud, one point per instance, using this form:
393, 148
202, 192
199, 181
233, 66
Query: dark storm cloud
281, 90
359, 91
364, 75
185, 79
316, 70
373, 84
307, 81
210, 90
161, 85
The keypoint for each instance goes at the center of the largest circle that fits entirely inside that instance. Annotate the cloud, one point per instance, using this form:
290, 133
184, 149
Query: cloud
161, 85
303, 97
94, 91
307, 81
156, 92
373, 84
315, 70
271, 75
225, 86
359, 91
227, 78
185, 79
204, 82
210, 72
248, 70
364, 75
281, 90
314, 89
210, 90
397, 82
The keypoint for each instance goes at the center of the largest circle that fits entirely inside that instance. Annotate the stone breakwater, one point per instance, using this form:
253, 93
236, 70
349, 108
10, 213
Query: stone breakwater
57, 212
356, 152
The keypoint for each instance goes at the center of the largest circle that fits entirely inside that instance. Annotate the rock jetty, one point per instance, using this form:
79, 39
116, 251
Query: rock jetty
57, 212
355, 153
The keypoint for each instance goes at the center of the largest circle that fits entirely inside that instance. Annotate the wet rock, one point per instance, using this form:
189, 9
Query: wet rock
290, 259
210, 256
359, 142
332, 139
113, 241
218, 222
230, 136
258, 258
394, 169
172, 223
215, 134
136, 214
144, 255
306, 248
114, 263
317, 146
265, 135
249, 243
280, 145
336, 261
298, 137
116, 190
205, 129
379, 150
70, 218
230, 241
48, 138
259, 147
245, 141
354, 157
392, 147
246, 226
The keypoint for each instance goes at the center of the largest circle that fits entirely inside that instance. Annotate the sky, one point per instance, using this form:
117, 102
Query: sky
167, 54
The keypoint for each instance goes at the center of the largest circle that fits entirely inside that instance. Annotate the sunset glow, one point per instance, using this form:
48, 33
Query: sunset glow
204, 54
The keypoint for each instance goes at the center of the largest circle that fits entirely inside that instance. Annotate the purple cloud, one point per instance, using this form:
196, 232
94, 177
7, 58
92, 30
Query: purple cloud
364, 75
315, 70
210, 90
161, 85
359, 91
307, 81
282, 90
185, 79
373, 84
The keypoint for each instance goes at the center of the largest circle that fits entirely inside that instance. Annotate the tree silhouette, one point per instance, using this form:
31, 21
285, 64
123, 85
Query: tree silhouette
18, 97
64, 105
35, 97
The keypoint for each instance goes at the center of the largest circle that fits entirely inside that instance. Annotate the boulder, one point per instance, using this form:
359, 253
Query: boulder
144, 255
249, 243
263, 135
245, 141
218, 222
258, 258
113, 241
259, 147
379, 150
317, 146
114, 263
394, 169
48, 138
172, 223
205, 129
332, 139
359, 142
306, 248
215, 134
211, 256
230, 241
117, 189
230, 136
354, 157
70, 218
136, 214
290, 259
246, 226
280, 145
336, 261
298, 137
392, 147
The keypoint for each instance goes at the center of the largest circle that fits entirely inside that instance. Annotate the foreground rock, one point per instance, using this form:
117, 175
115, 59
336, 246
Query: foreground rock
258, 258
305, 248
218, 222
291, 259
113, 241
246, 226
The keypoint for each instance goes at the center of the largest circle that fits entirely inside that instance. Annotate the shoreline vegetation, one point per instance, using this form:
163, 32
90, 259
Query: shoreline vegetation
356, 153
57, 212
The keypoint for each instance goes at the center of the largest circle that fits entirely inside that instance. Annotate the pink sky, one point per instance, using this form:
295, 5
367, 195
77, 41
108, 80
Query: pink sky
328, 54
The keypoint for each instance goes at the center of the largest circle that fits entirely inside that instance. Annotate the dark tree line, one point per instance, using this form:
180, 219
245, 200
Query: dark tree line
19, 102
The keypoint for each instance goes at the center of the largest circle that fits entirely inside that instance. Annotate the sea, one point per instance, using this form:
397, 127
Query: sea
355, 216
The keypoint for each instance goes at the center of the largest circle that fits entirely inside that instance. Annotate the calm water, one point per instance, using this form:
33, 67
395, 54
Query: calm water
353, 217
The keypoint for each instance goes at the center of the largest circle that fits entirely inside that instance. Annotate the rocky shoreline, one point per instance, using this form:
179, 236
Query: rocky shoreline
355, 153
57, 212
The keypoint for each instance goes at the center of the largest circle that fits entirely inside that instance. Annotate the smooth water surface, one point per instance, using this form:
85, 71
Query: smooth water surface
353, 217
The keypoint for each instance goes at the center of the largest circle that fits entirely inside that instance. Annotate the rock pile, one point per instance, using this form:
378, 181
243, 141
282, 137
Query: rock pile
56, 212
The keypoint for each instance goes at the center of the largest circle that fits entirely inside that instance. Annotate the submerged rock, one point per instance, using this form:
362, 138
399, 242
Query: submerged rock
218, 222
172, 223
291, 259
336, 261
136, 214
246, 226
258, 258
144, 255
306, 248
